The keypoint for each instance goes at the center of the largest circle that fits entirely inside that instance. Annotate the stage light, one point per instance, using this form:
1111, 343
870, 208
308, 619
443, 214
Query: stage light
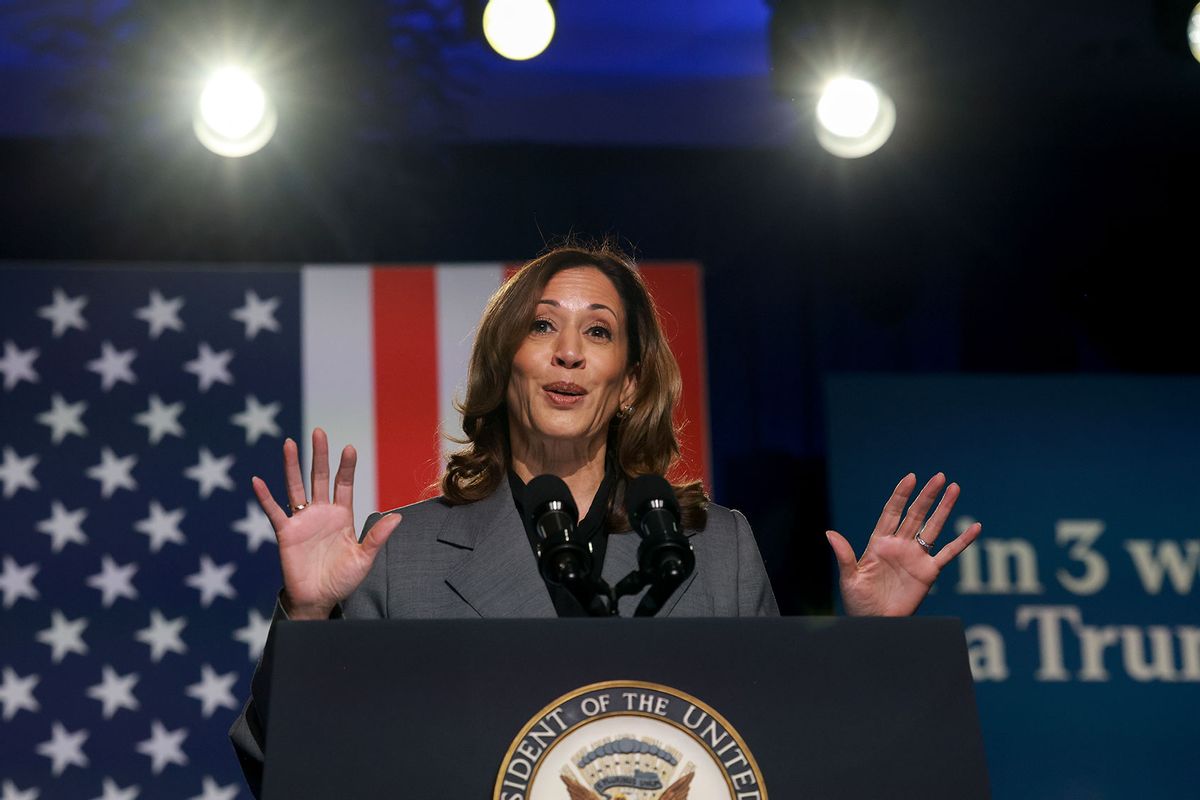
1193, 32
234, 116
854, 118
518, 29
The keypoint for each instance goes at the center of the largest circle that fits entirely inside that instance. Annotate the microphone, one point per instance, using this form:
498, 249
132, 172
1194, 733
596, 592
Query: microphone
665, 556
563, 559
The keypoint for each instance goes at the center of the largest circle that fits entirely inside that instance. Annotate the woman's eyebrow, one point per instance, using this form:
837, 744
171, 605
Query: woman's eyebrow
593, 306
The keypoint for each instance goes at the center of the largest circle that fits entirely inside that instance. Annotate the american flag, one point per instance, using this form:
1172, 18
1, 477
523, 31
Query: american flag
137, 574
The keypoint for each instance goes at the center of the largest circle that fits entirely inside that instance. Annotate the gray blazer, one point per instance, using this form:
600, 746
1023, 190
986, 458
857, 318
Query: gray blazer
474, 561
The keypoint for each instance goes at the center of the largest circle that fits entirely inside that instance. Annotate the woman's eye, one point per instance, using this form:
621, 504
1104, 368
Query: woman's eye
540, 326
600, 332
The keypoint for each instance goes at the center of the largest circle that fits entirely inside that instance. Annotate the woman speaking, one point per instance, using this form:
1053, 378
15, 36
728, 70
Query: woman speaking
570, 376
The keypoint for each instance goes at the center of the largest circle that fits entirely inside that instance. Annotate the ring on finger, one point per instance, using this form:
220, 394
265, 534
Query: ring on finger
298, 507
928, 547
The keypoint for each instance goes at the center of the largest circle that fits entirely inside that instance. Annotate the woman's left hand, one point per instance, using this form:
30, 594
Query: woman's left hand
896, 571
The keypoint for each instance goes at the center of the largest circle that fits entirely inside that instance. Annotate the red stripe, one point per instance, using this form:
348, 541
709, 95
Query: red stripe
678, 293
406, 379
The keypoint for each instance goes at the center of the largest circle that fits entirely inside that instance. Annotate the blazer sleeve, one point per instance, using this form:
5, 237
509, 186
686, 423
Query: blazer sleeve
754, 595
249, 731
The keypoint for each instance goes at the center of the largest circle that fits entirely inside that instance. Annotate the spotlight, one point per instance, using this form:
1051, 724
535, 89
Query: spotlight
854, 118
518, 29
234, 116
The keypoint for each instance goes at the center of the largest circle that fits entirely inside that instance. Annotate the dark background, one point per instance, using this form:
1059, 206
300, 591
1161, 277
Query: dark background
1033, 213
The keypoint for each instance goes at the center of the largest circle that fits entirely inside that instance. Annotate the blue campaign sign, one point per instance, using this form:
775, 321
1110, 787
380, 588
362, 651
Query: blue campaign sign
1079, 599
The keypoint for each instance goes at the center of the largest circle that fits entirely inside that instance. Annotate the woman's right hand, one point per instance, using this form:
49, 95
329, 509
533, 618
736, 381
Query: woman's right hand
322, 560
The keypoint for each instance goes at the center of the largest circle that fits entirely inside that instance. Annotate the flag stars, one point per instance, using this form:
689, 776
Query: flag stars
212, 580
9, 791
255, 527
161, 526
257, 314
161, 314
254, 635
114, 692
64, 527
113, 472
64, 313
16, 581
164, 747
210, 367
63, 418
114, 580
16, 472
113, 366
64, 749
214, 691
16, 693
211, 790
162, 635
211, 472
257, 419
161, 419
17, 365
111, 791
63, 636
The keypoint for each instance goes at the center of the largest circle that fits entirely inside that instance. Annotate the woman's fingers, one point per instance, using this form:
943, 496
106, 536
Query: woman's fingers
843, 552
291, 474
960, 542
920, 507
938, 519
894, 507
343, 482
320, 466
379, 533
274, 513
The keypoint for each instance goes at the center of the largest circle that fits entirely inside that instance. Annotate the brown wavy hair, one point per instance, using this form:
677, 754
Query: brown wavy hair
641, 442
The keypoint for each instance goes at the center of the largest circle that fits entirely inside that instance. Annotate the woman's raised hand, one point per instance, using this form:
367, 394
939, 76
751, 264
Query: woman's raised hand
319, 551
898, 567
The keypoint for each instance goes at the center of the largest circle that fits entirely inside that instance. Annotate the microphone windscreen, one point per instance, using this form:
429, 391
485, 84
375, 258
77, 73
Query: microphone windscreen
644, 488
544, 488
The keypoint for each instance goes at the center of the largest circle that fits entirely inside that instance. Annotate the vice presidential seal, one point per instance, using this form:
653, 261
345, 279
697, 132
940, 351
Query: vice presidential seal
628, 740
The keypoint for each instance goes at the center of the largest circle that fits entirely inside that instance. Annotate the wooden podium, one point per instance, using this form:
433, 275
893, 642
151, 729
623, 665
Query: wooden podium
820, 707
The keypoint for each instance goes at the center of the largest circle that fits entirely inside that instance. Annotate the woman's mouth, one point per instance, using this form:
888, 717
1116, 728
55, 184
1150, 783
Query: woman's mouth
564, 394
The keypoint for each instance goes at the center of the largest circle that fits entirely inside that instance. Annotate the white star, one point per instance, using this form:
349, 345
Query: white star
164, 747
9, 791
161, 526
65, 312
162, 314
211, 473
114, 792
114, 580
212, 580
113, 472
257, 314
162, 635
17, 472
213, 690
64, 636
113, 366
16, 581
16, 693
257, 419
210, 367
64, 749
17, 365
161, 419
64, 527
115, 691
63, 418
255, 527
254, 635
212, 791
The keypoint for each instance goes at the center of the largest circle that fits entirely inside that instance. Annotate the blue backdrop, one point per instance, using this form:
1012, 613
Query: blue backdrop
1078, 600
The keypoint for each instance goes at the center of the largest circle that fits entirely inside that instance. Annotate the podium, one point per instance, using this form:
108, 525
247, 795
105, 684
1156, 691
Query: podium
789, 708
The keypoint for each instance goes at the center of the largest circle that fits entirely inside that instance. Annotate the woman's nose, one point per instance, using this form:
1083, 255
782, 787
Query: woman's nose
568, 352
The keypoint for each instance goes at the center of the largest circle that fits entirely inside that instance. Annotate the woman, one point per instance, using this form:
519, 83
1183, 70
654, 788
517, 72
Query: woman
571, 376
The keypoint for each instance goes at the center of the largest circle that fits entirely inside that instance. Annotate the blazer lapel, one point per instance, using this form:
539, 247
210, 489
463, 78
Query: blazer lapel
621, 558
499, 576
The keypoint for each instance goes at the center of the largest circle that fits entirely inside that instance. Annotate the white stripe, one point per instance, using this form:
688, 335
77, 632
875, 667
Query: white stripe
338, 372
462, 292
